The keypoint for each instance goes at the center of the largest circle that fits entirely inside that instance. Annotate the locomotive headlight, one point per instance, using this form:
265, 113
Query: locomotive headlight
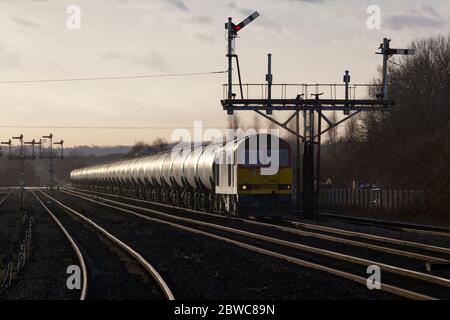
244, 187
285, 187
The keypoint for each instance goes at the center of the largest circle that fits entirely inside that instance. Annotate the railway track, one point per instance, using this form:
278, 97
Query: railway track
111, 269
407, 227
266, 245
2, 201
73, 244
360, 239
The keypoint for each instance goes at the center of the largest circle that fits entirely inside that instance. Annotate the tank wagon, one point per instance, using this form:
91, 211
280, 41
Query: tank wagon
219, 178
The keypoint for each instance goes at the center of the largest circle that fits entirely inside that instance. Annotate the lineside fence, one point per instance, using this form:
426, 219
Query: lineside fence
18, 259
380, 200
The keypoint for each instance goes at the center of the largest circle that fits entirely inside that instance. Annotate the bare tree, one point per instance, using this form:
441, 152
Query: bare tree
139, 148
408, 147
160, 144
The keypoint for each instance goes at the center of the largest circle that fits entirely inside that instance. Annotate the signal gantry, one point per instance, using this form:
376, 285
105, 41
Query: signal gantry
312, 110
22, 154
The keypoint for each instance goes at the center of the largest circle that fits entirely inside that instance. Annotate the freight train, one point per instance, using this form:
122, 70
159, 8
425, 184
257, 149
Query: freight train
223, 178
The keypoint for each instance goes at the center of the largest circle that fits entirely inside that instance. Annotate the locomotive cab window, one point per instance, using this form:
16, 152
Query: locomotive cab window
252, 158
255, 155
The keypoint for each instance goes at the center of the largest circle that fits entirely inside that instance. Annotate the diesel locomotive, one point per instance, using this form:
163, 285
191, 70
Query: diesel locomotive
249, 176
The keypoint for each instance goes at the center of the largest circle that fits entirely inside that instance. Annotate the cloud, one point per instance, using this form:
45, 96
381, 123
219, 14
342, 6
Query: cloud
309, 1
400, 21
264, 20
245, 11
9, 59
201, 19
206, 38
150, 58
25, 23
179, 4
429, 10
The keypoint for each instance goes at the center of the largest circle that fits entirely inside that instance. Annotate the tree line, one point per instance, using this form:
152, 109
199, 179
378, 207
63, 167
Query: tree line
407, 147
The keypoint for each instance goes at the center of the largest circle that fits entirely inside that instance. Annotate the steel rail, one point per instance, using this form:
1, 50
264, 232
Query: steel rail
408, 227
144, 263
331, 254
402, 253
314, 250
74, 246
388, 288
318, 235
5, 198
372, 237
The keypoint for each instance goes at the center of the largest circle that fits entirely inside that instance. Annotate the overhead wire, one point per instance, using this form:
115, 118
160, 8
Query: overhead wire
112, 77
107, 78
108, 127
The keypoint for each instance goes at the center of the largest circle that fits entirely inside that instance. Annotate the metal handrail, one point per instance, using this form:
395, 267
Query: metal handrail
291, 90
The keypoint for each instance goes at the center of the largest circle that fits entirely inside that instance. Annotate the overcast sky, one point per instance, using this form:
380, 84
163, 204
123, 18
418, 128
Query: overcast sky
311, 42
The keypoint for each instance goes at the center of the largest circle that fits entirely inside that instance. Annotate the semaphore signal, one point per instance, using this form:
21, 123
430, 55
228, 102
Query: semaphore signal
388, 52
232, 33
22, 155
235, 28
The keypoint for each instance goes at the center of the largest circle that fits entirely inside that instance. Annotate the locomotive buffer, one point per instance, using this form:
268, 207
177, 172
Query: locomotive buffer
311, 107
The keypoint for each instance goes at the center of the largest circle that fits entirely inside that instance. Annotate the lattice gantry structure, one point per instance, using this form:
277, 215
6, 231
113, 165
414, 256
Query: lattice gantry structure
308, 100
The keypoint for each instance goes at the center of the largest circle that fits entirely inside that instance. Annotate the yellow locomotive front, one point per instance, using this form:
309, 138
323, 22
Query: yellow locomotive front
259, 182
262, 194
